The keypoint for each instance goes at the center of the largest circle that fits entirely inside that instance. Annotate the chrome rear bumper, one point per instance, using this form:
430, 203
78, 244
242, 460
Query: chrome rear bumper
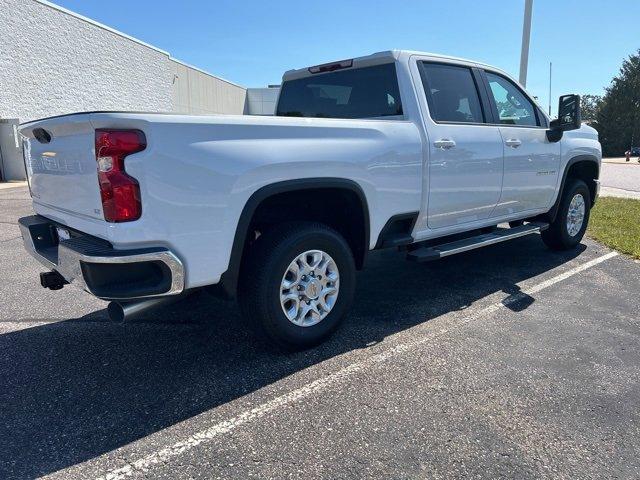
98, 268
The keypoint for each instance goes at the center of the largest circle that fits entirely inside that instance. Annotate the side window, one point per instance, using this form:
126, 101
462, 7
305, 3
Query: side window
514, 108
452, 93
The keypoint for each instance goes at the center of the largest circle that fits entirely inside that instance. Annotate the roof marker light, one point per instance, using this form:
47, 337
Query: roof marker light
330, 67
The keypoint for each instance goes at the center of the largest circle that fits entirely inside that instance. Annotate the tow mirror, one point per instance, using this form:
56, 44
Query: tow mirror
569, 117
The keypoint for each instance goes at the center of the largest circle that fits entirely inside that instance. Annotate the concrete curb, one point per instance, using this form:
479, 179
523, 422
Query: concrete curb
619, 193
7, 185
621, 161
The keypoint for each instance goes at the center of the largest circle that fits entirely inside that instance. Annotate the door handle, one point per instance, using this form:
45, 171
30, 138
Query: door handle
513, 143
444, 144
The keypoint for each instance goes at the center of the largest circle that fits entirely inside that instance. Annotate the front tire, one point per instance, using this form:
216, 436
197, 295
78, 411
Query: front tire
297, 284
570, 223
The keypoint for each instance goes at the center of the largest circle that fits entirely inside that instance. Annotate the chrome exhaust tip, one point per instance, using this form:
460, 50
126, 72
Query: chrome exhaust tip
124, 311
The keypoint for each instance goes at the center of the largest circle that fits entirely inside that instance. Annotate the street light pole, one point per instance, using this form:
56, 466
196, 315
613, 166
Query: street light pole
526, 36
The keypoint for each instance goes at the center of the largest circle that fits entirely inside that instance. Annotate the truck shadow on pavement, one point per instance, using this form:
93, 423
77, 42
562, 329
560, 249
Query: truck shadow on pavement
73, 390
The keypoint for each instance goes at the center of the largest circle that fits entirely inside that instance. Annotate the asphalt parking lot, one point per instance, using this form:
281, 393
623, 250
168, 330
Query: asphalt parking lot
512, 361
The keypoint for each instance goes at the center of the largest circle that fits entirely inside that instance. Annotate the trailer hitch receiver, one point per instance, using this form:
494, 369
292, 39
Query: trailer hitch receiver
52, 280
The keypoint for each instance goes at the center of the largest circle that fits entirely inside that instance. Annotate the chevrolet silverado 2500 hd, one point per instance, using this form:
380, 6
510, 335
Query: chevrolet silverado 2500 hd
427, 153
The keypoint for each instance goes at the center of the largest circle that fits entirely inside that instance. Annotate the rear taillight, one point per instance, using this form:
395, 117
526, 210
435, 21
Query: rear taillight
120, 192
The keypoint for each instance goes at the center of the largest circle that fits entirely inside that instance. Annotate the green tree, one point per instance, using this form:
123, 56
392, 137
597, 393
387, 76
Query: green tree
589, 106
618, 118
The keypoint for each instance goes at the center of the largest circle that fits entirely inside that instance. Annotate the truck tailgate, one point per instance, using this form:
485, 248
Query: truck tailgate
61, 165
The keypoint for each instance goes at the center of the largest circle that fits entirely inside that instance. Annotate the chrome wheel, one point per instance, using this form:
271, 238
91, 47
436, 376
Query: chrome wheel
309, 288
575, 215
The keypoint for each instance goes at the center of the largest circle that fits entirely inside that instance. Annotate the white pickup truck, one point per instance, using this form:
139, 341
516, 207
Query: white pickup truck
426, 153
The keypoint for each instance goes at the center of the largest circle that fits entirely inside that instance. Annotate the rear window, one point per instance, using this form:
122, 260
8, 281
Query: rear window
358, 93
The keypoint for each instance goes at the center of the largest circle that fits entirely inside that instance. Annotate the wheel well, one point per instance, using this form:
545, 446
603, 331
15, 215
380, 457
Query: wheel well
338, 203
583, 167
339, 208
587, 171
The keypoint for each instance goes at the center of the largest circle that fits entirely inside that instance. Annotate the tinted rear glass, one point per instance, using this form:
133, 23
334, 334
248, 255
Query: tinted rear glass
357, 93
451, 93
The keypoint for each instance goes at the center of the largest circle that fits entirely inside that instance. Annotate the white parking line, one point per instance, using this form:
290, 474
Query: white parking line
166, 454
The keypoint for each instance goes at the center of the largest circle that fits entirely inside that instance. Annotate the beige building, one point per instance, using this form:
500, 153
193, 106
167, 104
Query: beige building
54, 61
82, 65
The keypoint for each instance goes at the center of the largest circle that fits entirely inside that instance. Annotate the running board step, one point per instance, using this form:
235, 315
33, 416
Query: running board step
427, 254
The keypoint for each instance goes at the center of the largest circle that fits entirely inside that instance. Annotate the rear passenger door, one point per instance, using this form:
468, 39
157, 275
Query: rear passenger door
531, 162
465, 156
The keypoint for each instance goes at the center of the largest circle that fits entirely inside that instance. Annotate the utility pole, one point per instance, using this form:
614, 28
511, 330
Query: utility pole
550, 64
526, 36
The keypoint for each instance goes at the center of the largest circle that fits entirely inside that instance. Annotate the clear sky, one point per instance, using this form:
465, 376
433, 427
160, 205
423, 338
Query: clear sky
252, 42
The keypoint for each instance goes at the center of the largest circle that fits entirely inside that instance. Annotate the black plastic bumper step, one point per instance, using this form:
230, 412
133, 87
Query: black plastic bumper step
427, 254
397, 240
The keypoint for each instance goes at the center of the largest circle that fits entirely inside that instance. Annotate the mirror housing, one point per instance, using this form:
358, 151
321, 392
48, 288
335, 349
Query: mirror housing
569, 117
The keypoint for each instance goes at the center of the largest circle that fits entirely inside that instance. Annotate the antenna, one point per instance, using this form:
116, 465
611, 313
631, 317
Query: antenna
550, 65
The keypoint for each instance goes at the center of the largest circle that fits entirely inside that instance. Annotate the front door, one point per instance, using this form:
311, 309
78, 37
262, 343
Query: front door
531, 162
465, 157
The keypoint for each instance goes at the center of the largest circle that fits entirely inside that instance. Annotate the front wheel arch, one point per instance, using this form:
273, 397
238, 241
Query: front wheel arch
582, 167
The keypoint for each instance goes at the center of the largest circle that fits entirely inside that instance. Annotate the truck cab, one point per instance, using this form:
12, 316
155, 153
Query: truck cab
487, 157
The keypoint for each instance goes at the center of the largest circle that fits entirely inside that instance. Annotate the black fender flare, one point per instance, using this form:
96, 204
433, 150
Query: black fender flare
229, 279
553, 212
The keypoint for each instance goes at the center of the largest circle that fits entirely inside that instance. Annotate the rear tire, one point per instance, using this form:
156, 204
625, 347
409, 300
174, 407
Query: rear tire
288, 280
572, 218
